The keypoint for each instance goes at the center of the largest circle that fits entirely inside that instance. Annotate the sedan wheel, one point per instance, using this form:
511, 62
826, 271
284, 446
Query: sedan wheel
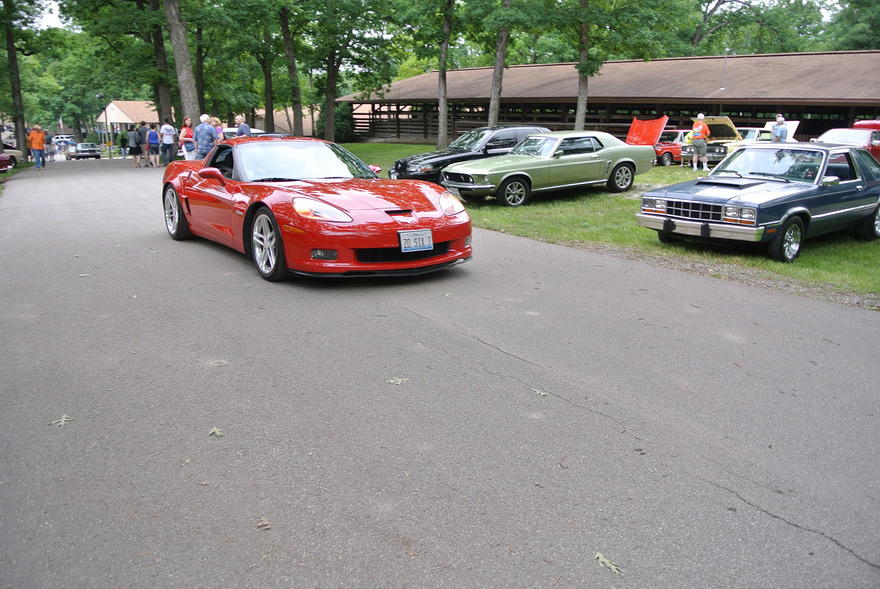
786, 246
175, 222
514, 192
621, 178
868, 228
666, 159
267, 249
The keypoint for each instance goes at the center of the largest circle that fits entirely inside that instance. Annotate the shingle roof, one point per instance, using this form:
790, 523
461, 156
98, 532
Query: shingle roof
831, 78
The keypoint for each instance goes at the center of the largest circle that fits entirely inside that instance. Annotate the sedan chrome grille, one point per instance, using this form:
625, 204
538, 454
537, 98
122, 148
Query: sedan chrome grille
694, 210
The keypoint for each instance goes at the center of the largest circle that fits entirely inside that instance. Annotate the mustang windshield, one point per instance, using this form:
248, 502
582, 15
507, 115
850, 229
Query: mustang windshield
297, 160
535, 146
470, 141
796, 165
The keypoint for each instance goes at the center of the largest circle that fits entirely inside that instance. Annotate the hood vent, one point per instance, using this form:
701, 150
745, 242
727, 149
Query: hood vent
394, 212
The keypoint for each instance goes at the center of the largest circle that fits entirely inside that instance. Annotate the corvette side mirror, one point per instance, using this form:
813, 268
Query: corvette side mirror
212, 174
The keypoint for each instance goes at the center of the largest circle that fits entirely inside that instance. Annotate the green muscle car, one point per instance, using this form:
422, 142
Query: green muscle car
551, 161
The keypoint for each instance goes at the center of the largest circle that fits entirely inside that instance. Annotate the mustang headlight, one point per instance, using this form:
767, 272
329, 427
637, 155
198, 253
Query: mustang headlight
319, 211
654, 205
450, 204
740, 215
417, 168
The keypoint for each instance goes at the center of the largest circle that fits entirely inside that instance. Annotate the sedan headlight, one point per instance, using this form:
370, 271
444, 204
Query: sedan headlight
319, 211
654, 205
450, 204
417, 168
740, 215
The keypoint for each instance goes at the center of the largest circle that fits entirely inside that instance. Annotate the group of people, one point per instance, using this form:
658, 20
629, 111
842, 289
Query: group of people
700, 132
146, 143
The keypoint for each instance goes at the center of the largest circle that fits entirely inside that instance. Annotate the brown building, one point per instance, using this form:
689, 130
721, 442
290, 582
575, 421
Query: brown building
822, 90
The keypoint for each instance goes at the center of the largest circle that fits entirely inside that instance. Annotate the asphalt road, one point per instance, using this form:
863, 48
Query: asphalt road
496, 425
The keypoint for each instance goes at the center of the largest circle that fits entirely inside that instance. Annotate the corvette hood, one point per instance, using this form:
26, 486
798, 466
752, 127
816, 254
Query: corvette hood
724, 189
646, 132
363, 194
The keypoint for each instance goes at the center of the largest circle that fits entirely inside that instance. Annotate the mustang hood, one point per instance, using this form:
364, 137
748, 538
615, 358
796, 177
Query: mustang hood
722, 189
362, 194
646, 132
495, 164
721, 128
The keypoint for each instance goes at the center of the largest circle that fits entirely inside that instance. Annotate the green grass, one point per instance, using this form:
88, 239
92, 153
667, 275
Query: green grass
592, 215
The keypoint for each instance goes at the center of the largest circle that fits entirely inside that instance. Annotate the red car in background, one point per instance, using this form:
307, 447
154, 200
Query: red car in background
667, 144
5, 162
668, 148
864, 134
309, 207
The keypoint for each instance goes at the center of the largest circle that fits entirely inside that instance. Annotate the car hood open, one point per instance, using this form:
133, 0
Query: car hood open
646, 132
721, 128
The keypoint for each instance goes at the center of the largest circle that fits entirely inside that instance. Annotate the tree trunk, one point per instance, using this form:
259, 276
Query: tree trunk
266, 61
182, 62
163, 91
442, 102
201, 53
295, 90
580, 114
330, 99
498, 72
15, 79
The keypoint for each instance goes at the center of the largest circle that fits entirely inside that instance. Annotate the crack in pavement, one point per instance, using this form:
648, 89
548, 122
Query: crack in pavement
831, 539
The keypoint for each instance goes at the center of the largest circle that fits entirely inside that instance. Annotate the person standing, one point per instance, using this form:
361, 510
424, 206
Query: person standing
134, 145
700, 137
243, 127
206, 136
167, 132
37, 144
779, 131
153, 144
187, 139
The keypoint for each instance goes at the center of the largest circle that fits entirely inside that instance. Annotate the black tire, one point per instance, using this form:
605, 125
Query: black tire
267, 248
621, 178
868, 229
666, 159
786, 246
175, 220
514, 192
666, 237
12, 161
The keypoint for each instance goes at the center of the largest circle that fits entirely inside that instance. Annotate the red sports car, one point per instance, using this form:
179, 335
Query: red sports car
309, 207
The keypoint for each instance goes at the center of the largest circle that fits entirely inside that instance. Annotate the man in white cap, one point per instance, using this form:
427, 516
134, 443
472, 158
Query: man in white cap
700, 134
779, 130
205, 136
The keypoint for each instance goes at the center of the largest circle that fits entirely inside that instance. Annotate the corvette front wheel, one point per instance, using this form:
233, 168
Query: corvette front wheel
175, 222
267, 250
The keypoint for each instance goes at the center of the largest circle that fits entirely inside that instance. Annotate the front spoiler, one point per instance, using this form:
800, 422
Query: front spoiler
702, 230
382, 273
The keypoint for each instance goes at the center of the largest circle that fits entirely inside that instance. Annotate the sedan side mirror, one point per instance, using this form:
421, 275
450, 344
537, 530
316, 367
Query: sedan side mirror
212, 174
830, 180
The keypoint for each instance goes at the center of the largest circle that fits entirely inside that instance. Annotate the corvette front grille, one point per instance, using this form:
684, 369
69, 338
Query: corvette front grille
370, 255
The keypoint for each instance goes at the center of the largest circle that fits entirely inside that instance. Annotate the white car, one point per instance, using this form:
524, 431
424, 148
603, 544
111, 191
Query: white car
232, 131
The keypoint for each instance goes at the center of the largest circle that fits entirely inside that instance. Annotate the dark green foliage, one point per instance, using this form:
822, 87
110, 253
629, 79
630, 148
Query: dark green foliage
344, 123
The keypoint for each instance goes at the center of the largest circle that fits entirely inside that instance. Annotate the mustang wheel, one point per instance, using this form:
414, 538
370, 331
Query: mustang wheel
514, 192
868, 228
666, 159
267, 250
786, 246
175, 222
621, 178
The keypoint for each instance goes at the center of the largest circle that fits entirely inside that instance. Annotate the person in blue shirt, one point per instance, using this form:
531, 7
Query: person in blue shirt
205, 136
779, 130
243, 128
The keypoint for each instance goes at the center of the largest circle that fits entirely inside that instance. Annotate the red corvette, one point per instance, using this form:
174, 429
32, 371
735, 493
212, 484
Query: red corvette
309, 207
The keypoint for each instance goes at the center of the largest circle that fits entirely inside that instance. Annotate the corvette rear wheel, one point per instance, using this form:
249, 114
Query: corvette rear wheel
621, 178
175, 222
267, 249
514, 192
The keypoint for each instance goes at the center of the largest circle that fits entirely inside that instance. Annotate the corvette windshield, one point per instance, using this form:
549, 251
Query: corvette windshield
794, 165
297, 160
535, 146
470, 140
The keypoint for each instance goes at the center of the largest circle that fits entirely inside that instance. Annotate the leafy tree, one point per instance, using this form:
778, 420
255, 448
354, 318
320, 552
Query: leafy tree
855, 26
18, 17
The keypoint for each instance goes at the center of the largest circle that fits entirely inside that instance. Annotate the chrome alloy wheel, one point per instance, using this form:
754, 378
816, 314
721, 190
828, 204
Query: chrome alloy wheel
791, 241
265, 244
623, 177
172, 211
515, 193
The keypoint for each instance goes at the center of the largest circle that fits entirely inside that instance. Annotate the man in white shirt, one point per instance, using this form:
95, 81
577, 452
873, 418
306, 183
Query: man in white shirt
167, 133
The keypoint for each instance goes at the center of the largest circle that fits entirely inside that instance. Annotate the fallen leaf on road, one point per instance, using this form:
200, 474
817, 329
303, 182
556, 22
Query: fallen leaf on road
61, 421
264, 524
541, 393
396, 381
216, 433
608, 564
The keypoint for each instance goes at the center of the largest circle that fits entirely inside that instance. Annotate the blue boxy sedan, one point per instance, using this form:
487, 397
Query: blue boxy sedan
778, 194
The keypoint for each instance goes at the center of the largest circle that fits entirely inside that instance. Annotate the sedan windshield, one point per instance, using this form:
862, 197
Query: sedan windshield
787, 165
275, 161
471, 140
535, 146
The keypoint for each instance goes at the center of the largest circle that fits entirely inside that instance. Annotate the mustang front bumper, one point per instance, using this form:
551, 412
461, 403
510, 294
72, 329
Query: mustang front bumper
700, 229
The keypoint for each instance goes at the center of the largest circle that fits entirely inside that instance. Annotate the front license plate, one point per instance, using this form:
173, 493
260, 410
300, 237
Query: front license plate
416, 240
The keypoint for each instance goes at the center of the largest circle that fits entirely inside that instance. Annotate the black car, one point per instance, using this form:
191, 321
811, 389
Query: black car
477, 143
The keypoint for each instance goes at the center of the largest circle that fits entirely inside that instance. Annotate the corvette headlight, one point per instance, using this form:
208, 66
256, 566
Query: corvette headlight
450, 204
319, 211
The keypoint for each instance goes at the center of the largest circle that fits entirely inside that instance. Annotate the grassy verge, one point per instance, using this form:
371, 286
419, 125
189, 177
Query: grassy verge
592, 215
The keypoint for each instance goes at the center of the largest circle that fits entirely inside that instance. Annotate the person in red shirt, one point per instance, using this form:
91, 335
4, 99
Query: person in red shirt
701, 134
37, 143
